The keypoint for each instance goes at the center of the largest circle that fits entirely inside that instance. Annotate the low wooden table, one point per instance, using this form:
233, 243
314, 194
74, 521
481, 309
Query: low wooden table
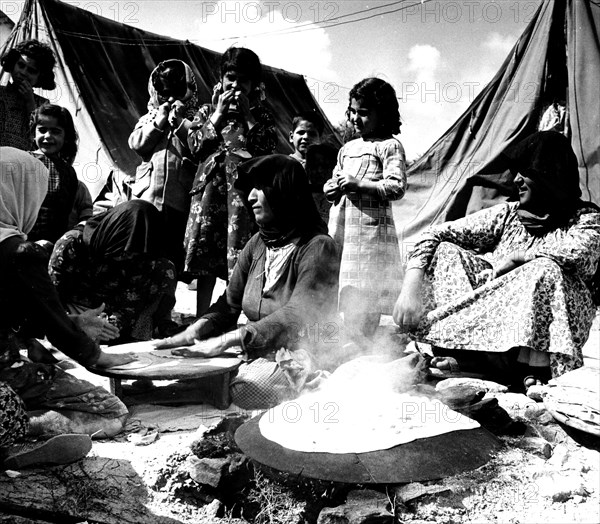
161, 364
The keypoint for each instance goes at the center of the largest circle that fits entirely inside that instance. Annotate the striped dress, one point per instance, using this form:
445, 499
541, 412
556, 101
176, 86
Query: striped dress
363, 225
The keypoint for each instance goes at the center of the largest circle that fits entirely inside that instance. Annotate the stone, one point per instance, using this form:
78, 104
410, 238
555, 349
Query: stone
536, 445
207, 471
517, 405
213, 509
414, 490
561, 487
361, 507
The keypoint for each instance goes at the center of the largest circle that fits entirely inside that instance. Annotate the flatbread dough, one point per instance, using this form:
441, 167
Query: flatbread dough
336, 421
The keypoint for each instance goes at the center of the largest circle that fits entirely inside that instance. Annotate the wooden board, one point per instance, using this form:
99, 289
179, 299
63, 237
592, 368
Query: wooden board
161, 364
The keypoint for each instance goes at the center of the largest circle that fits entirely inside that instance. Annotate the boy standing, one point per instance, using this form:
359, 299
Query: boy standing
306, 130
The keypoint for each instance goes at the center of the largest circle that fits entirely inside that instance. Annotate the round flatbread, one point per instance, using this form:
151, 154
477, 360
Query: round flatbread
352, 422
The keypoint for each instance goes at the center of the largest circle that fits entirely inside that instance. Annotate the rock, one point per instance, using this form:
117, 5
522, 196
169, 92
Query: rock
361, 507
414, 490
536, 445
213, 471
536, 392
561, 487
213, 509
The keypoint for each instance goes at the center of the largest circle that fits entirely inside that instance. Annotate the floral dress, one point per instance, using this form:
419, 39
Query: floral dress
220, 224
363, 225
128, 288
545, 304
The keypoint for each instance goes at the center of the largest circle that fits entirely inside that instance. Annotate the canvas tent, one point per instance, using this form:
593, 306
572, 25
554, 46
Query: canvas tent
102, 75
557, 58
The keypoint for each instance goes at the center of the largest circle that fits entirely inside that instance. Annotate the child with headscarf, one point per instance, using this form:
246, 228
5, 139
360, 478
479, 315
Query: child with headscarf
117, 259
285, 282
160, 138
513, 279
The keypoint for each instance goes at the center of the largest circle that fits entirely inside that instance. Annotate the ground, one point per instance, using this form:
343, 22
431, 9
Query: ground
147, 475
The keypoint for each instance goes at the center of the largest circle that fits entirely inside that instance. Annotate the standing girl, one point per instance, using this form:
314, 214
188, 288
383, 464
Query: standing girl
165, 176
370, 173
235, 127
30, 65
55, 136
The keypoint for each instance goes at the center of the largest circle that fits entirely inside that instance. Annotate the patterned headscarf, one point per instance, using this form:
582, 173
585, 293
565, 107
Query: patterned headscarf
23, 187
190, 99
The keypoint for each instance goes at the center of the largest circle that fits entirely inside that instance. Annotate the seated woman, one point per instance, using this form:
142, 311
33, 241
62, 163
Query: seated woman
115, 260
515, 276
285, 281
29, 307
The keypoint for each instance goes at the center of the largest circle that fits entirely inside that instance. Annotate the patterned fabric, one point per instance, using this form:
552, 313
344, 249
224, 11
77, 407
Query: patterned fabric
14, 422
544, 304
53, 217
127, 288
363, 225
220, 223
259, 384
14, 118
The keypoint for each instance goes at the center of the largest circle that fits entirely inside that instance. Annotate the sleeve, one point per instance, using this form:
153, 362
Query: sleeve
313, 298
393, 184
262, 138
45, 308
145, 137
203, 138
579, 250
66, 265
479, 232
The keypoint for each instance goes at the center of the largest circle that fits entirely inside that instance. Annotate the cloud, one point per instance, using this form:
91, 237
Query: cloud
423, 61
268, 31
499, 44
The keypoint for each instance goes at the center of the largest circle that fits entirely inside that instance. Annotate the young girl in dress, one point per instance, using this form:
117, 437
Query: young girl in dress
235, 127
160, 138
369, 175
30, 65
56, 139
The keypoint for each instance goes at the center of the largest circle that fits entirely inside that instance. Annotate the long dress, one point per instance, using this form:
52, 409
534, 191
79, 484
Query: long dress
220, 224
545, 304
14, 118
363, 225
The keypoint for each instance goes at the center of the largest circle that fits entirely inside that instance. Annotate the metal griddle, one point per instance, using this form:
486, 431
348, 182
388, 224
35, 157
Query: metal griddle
420, 460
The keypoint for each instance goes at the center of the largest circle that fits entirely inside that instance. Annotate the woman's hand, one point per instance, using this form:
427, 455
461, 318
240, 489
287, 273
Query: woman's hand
512, 261
211, 347
94, 323
196, 331
332, 190
408, 310
224, 100
26, 91
348, 183
162, 116
176, 114
243, 104
110, 360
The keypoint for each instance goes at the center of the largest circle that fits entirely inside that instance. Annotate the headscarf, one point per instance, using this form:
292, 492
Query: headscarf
286, 189
190, 99
131, 228
23, 187
548, 159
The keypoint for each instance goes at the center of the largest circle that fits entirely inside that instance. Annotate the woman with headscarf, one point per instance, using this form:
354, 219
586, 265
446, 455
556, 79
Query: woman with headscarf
160, 138
30, 308
116, 259
515, 276
285, 282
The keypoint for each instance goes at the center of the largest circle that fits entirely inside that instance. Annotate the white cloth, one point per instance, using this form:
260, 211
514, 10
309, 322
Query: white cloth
23, 187
275, 262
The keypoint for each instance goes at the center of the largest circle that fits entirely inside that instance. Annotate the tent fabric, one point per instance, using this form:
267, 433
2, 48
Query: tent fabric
106, 65
555, 59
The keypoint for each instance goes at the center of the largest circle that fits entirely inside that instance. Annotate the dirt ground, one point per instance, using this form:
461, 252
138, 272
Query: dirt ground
517, 486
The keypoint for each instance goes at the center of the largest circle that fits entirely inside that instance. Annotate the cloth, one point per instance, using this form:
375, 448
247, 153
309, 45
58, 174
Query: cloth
294, 311
275, 261
363, 225
14, 422
14, 118
89, 273
544, 304
23, 187
53, 217
83, 207
131, 228
220, 224
259, 384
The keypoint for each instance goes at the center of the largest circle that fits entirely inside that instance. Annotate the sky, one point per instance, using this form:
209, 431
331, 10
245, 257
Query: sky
438, 54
